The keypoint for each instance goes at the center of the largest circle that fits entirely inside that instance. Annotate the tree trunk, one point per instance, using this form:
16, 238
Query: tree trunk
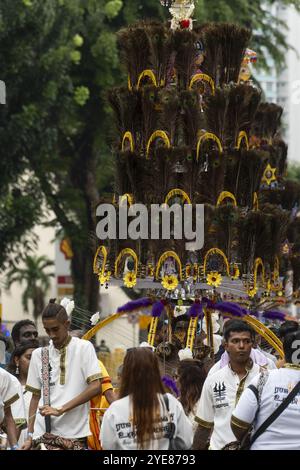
86, 284
38, 302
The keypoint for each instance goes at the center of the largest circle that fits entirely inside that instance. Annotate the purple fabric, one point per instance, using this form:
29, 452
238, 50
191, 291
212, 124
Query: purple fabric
135, 304
171, 384
157, 309
257, 357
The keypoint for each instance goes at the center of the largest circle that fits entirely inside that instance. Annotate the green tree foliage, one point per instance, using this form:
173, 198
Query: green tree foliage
269, 32
18, 212
35, 280
294, 172
58, 59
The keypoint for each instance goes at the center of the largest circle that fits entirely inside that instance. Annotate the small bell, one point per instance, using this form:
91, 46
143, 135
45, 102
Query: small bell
179, 168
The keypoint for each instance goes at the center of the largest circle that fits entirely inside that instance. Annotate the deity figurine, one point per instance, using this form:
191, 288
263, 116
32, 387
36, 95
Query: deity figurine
182, 12
245, 72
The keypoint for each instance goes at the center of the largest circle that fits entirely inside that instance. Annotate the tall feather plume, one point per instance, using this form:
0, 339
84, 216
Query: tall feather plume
293, 232
251, 166
251, 235
226, 217
209, 183
172, 170
160, 50
140, 171
126, 107
191, 117
170, 112
281, 156
216, 107
150, 111
183, 43
133, 43
267, 121
278, 157
243, 103
232, 170
277, 231
231, 110
224, 46
123, 182
287, 199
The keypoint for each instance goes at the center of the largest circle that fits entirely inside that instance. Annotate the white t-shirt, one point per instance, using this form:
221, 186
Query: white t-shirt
20, 412
117, 432
72, 368
220, 393
284, 432
9, 391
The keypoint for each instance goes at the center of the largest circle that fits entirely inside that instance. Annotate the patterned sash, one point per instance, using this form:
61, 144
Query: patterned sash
46, 384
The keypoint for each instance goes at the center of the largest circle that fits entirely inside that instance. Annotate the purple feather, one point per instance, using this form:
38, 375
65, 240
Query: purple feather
157, 309
135, 305
195, 310
274, 315
233, 309
170, 384
208, 303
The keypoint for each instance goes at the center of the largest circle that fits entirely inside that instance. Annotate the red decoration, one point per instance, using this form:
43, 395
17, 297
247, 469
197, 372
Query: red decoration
185, 24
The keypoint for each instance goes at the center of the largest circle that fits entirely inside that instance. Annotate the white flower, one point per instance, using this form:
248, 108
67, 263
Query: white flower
70, 307
144, 344
185, 354
215, 323
65, 302
95, 318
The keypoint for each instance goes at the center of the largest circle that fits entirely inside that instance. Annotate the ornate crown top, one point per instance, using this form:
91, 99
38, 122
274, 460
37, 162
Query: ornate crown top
182, 12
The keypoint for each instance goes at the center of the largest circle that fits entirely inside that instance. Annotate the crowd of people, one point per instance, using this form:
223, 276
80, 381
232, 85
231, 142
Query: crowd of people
61, 396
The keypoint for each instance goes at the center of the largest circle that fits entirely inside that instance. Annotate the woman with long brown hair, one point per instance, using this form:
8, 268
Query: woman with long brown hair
191, 375
140, 419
